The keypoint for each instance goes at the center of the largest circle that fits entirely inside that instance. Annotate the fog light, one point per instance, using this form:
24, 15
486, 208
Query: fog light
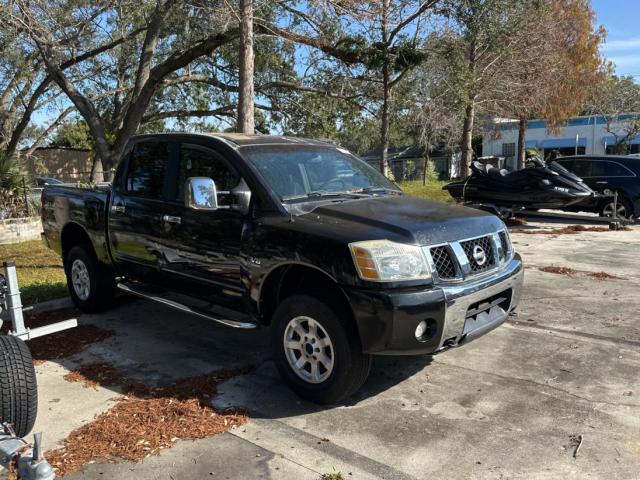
421, 329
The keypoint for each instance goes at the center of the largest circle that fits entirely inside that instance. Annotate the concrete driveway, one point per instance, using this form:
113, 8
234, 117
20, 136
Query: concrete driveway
504, 406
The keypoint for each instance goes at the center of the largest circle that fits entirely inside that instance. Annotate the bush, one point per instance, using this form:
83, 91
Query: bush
430, 172
12, 199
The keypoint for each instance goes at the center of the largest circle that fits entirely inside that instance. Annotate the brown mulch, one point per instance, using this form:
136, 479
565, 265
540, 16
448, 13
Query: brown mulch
93, 375
513, 222
570, 230
45, 318
61, 344
145, 420
569, 272
604, 276
66, 343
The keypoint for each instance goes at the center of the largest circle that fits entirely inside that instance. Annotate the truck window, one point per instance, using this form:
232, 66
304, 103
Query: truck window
147, 168
196, 161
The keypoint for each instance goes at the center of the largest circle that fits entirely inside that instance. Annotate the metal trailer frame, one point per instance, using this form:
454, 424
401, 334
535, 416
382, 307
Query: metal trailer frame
16, 452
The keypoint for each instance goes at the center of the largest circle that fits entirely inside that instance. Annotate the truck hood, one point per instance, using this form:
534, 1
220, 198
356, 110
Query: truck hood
403, 218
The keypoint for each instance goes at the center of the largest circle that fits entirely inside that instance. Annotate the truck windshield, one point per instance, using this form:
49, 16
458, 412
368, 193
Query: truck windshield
307, 172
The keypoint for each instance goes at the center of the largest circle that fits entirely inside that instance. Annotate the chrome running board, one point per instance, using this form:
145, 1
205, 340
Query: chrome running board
140, 291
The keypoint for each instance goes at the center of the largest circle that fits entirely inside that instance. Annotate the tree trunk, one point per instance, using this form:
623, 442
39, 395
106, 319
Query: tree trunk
425, 167
522, 154
385, 120
467, 136
246, 120
386, 94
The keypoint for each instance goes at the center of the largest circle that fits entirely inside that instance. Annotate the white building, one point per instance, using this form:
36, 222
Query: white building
581, 135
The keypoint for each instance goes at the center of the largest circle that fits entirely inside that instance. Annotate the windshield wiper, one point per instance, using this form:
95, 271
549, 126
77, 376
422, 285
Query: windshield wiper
321, 193
377, 190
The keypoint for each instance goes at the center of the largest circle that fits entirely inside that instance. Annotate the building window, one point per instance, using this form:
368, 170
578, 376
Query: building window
508, 149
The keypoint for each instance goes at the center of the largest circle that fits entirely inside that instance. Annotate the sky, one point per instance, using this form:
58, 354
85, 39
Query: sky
622, 47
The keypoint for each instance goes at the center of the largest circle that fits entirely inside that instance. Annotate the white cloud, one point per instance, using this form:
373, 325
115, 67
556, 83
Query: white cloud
621, 44
626, 62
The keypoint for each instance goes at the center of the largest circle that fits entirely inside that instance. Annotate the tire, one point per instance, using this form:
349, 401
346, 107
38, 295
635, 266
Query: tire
90, 284
349, 366
625, 209
18, 387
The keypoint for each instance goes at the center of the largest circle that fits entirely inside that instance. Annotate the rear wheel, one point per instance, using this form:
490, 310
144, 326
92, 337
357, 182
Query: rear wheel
91, 285
18, 387
317, 350
623, 209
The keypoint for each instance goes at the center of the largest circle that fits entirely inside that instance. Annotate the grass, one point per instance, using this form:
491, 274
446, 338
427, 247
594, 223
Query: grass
431, 191
40, 273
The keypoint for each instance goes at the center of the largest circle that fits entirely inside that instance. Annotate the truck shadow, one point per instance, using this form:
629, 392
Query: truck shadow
155, 345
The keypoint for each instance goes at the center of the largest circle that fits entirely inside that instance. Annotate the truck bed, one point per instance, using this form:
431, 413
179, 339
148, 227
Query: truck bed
67, 206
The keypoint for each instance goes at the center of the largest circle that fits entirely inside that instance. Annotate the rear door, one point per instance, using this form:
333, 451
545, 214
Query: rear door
203, 258
609, 174
137, 206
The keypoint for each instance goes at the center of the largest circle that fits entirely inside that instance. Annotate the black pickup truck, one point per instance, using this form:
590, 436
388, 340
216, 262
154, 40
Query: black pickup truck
293, 234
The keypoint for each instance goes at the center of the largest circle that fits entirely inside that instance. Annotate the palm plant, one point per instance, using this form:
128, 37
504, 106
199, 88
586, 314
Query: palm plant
10, 175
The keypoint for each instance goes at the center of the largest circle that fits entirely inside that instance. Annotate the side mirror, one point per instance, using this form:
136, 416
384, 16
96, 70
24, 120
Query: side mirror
201, 193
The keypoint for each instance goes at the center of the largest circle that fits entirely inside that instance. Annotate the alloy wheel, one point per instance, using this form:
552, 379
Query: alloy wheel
80, 279
308, 349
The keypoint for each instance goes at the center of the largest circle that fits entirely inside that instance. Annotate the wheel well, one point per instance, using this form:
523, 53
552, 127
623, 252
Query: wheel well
289, 280
72, 235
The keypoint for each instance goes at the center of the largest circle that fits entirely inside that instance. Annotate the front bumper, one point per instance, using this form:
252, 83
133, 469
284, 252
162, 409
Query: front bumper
455, 314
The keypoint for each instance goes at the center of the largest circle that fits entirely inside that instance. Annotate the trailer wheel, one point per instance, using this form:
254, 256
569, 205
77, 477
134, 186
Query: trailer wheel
91, 287
18, 387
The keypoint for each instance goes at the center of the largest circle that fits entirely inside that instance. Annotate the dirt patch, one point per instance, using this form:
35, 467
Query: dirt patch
145, 420
569, 272
66, 343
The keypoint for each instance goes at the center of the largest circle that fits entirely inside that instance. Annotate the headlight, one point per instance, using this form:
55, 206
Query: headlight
386, 261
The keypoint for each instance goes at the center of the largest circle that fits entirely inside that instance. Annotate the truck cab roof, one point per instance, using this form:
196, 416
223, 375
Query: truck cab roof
243, 140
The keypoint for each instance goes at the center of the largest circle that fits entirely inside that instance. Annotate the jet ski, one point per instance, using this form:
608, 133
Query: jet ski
539, 185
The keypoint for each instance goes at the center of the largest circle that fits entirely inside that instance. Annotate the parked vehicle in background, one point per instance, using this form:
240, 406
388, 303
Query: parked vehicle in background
294, 234
42, 181
620, 173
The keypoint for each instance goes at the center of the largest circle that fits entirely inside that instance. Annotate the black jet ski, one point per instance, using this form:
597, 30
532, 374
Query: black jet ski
537, 186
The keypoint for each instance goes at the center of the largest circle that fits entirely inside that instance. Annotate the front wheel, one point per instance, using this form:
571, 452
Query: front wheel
317, 350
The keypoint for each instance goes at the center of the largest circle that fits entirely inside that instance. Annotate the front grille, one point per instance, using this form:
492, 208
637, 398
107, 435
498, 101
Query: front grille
505, 245
474, 250
444, 263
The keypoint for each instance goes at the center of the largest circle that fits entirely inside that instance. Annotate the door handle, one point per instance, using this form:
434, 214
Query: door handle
118, 209
602, 182
171, 219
